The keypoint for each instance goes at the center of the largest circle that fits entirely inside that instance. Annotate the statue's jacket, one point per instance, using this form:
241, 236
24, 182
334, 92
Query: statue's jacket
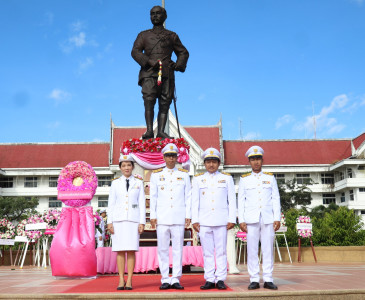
159, 45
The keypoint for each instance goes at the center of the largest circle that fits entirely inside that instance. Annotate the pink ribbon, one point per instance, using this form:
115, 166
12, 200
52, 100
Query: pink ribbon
153, 158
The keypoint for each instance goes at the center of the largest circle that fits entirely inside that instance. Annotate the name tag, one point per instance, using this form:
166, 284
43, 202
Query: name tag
221, 181
266, 182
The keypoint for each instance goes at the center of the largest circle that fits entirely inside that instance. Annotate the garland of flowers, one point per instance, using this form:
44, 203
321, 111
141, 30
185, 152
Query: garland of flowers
152, 145
69, 173
305, 233
33, 235
159, 79
7, 229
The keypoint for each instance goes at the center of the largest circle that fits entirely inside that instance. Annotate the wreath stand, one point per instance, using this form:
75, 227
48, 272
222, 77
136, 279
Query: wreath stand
299, 250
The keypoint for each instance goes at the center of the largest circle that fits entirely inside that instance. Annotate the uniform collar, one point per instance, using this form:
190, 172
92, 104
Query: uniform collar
256, 174
125, 178
170, 170
213, 174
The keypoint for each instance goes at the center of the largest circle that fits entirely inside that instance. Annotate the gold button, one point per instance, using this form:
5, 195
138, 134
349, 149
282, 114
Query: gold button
126, 209
171, 198
126, 196
258, 185
171, 206
260, 206
259, 192
212, 208
126, 202
171, 190
212, 200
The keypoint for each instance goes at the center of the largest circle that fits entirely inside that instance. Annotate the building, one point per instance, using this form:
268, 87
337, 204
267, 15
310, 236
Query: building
336, 166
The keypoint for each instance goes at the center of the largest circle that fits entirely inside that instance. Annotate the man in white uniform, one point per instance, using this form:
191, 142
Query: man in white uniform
213, 213
100, 236
170, 210
259, 215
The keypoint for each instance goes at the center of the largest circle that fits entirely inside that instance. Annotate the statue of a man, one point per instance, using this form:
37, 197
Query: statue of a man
152, 50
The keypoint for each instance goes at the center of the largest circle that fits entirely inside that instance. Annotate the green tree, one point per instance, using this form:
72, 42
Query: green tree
17, 208
294, 195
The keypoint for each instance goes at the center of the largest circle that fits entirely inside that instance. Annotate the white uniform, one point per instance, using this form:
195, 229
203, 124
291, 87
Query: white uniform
259, 207
213, 206
126, 210
100, 243
170, 204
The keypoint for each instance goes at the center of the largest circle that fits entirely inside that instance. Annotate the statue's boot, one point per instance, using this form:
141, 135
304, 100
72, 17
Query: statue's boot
149, 123
161, 123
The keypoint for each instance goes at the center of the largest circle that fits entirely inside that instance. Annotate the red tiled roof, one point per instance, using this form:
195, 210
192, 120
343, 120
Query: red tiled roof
289, 152
359, 140
122, 134
52, 155
205, 136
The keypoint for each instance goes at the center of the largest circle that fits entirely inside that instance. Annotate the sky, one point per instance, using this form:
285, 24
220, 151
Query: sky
267, 68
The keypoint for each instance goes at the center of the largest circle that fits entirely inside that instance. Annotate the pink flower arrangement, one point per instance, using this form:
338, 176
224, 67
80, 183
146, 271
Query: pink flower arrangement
153, 145
282, 221
7, 229
304, 233
97, 221
51, 217
69, 173
33, 235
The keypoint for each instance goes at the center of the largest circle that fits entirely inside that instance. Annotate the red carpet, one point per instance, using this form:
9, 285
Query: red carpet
141, 283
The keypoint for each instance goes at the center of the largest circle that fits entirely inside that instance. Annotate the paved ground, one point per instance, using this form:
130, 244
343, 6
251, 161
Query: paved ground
295, 281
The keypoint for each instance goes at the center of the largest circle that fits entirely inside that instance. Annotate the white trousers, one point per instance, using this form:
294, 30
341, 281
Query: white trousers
164, 233
214, 238
265, 233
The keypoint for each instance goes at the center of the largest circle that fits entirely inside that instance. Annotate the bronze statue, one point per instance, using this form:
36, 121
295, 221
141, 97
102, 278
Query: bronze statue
152, 50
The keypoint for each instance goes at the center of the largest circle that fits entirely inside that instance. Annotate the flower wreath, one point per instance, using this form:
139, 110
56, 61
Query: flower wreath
51, 217
7, 229
304, 233
77, 194
33, 235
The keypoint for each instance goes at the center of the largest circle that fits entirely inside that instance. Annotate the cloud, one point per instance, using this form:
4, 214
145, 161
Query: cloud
49, 17
323, 122
78, 40
283, 121
251, 136
77, 26
85, 64
54, 125
59, 96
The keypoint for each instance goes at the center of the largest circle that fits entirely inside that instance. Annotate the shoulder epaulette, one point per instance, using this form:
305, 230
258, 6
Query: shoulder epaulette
138, 176
115, 178
267, 173
246, 174
226, 173
198, 174
158, 170
182, 170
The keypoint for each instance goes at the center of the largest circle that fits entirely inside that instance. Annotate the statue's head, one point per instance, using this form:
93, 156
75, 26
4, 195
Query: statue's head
158, 15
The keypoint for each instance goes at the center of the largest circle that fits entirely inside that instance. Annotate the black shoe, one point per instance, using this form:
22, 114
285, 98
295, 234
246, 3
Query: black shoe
148, 135
254, 285
270, 285
165, 286
207, 286
220, 285
119, 288
128, 288
177, 286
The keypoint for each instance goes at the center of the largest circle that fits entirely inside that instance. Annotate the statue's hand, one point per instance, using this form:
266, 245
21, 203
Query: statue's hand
176, 67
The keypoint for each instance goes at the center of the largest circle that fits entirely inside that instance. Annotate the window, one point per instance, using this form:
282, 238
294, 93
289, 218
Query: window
302, 178
363, 212
53, 181
54, 202
343, 198
329, 198
30, 182
352, 195
104, 181
342, 176
361, 168
6, 182
103, 201
362, 190
280, 178
327, 178
349, 173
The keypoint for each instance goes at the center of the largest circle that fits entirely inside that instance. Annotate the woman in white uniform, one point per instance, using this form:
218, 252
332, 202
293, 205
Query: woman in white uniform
126, 218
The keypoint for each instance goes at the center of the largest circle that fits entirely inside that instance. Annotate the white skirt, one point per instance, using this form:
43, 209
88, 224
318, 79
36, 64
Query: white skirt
125, 237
